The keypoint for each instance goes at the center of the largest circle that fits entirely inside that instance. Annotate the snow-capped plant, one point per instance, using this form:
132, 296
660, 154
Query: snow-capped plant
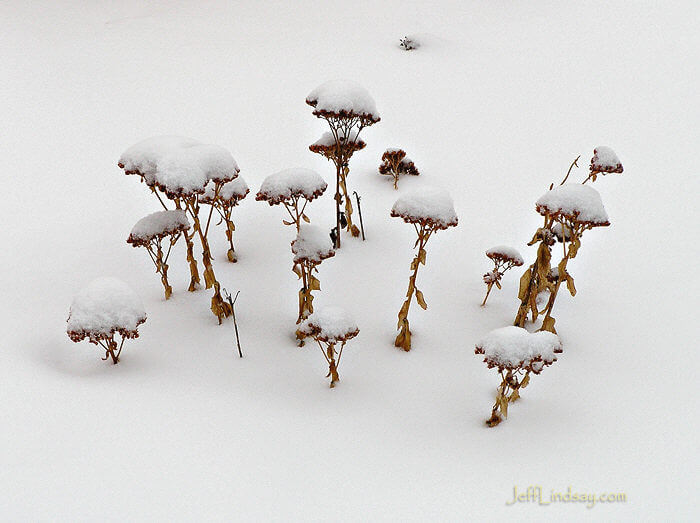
516, 353
310, 248
408, 44
228, 197
395, 163
329, 327
428, 210
604, 161
347, 108
503, 259
150, 231
106, 307
294, 189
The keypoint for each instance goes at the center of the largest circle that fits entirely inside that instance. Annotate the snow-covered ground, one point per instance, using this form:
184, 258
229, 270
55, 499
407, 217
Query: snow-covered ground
493, 107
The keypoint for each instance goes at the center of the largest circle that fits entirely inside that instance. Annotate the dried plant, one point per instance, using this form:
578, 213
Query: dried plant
503, 258
105, 308
346, 120
516, 353
230, 194
407, 44
429, 211
395, 163
310, 248
150, 231
568, 210
329, 327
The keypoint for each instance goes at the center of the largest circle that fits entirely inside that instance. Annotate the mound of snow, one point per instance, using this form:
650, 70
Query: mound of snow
297, 181
142, 158
344, 98
158, 224
331, 324
576, 202
313, 244
605, 160
187, 170
105, 306
232, 191
514, 347
503, 252
427, 205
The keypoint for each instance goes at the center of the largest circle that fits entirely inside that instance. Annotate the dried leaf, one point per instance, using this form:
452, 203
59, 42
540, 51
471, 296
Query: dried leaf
548, 325
314, 284
524, 284
421, 300
570, 284
305, 218
498, 284
525, 382
421, 256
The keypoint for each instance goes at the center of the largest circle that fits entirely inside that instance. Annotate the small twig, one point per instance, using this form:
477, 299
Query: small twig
232, 302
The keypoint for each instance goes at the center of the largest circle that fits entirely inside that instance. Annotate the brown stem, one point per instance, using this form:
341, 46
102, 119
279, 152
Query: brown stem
488, 291
332, 366
403, 339
191, 260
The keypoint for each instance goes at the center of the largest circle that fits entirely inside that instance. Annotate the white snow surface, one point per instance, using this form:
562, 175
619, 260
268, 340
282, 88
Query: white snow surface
510, 252
312, 243
604, 158
262, 438
160, 222
348, 96
427, 203
332, 323
236, 189
105, 305
294, 181
575, 199
143, 156
513, 346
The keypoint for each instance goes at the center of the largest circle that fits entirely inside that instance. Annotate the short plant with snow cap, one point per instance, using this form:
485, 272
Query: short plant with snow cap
329, 327
503, 258
150, 231
516, 353
229, 195
103, 309
429, 210
311, 246
395, 163
348, 108
294, 189
604, 161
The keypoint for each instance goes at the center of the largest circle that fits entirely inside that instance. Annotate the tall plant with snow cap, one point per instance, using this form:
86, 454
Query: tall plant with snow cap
347, 108
150, 231
310, 248
330, 327
107, 307
515, 353
228, 197
429, 210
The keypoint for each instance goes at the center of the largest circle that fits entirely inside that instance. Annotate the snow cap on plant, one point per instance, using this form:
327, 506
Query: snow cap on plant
291, 183
605, 161
230, 192
511, 348
574, 202
428, 206
142, 158
105, 306
326, 145
157, 226
505, 254
344, 99
312, 244
331, 325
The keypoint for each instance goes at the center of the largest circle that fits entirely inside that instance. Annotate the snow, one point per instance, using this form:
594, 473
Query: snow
428, 204
232, 191
187, 170
159, 223
343, 97
106, 305
576, 202
313, 244
498, 111
505, 252
514, 347
605, 160
330, 324
142, 158
296, 181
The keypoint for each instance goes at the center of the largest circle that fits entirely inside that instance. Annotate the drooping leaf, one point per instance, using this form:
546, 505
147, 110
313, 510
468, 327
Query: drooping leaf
421, 300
